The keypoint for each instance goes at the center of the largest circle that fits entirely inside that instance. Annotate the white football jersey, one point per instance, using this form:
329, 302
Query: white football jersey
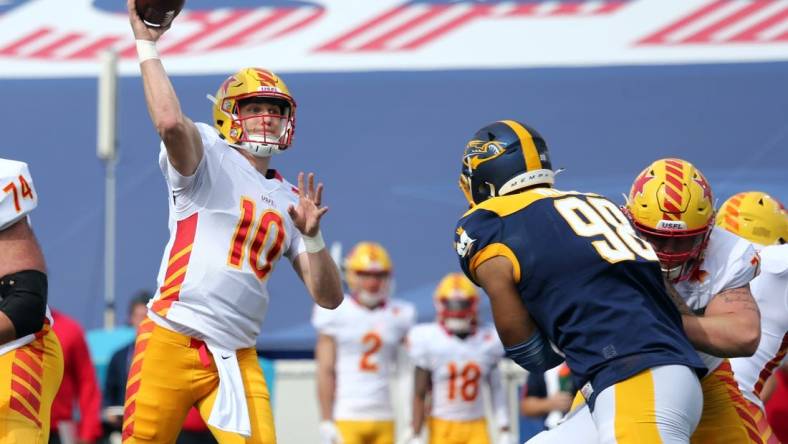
728, 262
770, 290
366, 351
18, 196
228, 228
458, 368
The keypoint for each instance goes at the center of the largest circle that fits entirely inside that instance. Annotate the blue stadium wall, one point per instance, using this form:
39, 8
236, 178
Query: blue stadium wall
387, 145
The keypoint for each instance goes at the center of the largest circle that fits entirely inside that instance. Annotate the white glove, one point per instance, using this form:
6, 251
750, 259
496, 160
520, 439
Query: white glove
329, 433
410, 437
506, 437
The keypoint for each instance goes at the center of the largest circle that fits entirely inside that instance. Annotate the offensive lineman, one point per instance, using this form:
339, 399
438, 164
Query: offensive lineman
453, 357
356, 351
231, 219
762, 220
567, 277
31, 360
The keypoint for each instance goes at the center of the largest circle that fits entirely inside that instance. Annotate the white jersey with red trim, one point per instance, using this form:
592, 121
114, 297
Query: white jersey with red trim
458, 367
728, 262
366, 351
228, 227
18, 196
770, 290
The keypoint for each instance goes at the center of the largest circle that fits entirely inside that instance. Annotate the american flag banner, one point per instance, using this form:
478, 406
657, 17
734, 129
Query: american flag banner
46, 38
726, 21
416, 23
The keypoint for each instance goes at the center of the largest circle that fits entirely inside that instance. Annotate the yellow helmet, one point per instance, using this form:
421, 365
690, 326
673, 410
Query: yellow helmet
755, 216
672, 207
367, 273
250, 84
456, 303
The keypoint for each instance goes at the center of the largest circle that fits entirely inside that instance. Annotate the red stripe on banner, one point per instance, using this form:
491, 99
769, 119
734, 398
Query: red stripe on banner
208, 27
661, 36
471, 14
336, 44
14, 47
49, 50
380, 42
301, 24
781, 38
705, 34
26, 394
610, 7
567, 9
16, 405
751, 34
91, 51
523, 9
238, 37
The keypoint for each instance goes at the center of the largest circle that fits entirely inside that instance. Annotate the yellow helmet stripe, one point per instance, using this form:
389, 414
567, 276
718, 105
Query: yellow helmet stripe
532, 161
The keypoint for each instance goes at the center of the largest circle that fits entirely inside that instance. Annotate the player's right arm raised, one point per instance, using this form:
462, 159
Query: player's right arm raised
178, 132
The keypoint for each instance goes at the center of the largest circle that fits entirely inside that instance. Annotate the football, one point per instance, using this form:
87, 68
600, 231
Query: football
158, 13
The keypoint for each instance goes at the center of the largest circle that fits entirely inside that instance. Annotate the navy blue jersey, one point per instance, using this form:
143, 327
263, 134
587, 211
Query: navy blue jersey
590, 284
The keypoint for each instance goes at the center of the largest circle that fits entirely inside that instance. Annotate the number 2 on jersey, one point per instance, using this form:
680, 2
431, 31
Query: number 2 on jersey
373, 343
24, 188
604, 218
266, 244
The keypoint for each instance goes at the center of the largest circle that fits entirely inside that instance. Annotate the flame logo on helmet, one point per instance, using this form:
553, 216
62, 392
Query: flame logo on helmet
700, 180
226, 84
266, 78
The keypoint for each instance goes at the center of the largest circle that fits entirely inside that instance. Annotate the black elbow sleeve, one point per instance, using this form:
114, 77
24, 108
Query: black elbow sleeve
24, 300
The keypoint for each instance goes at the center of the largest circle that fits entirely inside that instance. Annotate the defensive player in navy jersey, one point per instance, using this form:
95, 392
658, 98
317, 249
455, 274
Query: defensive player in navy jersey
567, 277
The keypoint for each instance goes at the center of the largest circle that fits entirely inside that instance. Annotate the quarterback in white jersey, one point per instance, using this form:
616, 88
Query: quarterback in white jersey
762, 219
31, 360
453, 357
357, 349
231, 219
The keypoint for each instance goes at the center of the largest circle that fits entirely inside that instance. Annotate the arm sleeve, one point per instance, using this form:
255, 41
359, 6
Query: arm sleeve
535, 386
89, 396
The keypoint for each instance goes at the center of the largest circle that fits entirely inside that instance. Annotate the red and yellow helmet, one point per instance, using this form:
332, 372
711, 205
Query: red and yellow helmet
250, 84
755, 216
457, 303
672, 207
368, 272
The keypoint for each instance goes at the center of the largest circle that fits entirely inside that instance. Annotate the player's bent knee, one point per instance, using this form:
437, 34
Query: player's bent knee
24, 300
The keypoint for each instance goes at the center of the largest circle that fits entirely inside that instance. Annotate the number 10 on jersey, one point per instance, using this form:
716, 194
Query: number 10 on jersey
266, 244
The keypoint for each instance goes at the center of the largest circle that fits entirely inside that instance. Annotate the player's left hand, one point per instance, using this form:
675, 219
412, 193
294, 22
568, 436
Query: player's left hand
306, 215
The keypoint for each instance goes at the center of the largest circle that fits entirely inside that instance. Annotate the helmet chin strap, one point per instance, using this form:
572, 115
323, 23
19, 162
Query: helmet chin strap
260, 149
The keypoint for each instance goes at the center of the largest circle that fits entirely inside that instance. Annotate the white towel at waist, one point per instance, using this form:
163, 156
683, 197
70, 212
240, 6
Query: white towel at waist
230, 411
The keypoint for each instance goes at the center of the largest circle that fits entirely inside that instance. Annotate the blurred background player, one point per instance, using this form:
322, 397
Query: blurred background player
454, 356
762, 220
31, 360
568, 279
76, 411
672, 206
547, 396
231, 219
356, 351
